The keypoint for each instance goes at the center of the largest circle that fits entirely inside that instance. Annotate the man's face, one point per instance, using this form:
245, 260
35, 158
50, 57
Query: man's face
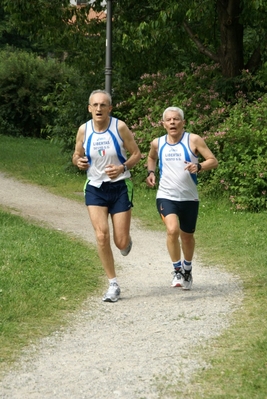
99, 106
173, 123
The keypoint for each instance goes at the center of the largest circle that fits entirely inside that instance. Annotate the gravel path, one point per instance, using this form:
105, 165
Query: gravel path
135, 348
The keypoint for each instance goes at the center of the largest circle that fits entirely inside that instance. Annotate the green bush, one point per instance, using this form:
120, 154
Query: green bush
224, 112
240, 144
70, 100
193, 90
25, 80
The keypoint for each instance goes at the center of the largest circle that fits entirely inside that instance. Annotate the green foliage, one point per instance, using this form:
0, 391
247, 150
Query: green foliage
70, 101
58, 29
240, 144
194, 90
33, 18
25, 81
212, 106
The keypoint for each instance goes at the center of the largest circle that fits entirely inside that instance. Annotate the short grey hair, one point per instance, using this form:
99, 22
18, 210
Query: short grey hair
175, 109
103, 92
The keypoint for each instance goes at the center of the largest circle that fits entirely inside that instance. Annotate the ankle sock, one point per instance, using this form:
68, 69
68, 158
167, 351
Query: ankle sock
113, 280
177, 265
187, 265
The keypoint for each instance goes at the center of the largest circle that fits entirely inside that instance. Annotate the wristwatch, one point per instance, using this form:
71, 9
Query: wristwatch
199, 167
125, 168
149, 172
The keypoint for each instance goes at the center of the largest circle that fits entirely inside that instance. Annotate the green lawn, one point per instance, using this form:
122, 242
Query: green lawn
233, 240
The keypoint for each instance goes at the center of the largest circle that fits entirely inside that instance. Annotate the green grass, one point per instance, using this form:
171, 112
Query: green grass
40, 162
233, 240
236, 242
44, 276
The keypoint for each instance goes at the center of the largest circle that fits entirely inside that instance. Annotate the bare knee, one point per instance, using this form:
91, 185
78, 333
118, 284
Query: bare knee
173, 233
187, 239
102, 238
121, 242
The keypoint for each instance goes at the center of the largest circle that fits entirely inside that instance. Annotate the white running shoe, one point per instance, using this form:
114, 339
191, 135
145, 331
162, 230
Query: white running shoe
113, 293
127, 250
187, 280
177, 280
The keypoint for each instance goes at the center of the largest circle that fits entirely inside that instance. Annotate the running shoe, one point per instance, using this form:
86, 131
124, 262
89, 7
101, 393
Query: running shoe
187, 280
113, 293
177, 280
127, 250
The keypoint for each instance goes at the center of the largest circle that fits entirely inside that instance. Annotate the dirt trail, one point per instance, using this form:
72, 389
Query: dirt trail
137, 348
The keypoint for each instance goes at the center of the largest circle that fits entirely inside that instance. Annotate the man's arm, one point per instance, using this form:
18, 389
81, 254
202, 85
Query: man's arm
152, 163
129, 144
199, 146
78, 158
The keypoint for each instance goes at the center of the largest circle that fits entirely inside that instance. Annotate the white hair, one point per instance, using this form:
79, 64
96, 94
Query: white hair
175, 109
103, 92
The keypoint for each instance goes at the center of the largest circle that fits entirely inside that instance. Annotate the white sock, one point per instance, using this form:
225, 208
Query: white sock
187, 265
113, 280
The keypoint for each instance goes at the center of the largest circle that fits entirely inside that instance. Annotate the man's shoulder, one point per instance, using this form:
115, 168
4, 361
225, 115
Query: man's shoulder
194, 136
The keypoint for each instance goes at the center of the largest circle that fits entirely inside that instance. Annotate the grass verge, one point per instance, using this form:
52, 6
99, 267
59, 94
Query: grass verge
40, 288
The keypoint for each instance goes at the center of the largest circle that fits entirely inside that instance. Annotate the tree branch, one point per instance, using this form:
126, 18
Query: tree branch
199, 45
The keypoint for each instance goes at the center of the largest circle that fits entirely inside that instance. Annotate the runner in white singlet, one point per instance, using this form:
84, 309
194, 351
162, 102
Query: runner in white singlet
100, 149
177, 196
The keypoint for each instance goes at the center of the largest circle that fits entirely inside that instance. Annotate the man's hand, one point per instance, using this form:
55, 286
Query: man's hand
82, 163
151, 180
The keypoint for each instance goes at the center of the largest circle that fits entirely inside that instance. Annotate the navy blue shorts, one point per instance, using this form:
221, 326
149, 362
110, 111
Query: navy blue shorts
186, 211
117, 196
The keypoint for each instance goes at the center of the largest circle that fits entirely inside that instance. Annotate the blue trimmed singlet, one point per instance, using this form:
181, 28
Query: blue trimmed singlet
175, 183
102, 149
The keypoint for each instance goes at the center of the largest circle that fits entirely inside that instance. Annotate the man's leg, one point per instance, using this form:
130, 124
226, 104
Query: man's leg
99, 219
121, 229
173, 231
173, 246
188, 245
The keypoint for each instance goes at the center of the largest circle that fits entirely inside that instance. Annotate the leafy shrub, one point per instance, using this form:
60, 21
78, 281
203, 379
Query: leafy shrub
24, 81
69, 100
224, 112
192, 90
240, 144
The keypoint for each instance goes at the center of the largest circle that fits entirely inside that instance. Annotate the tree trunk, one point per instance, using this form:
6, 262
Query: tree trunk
230, 52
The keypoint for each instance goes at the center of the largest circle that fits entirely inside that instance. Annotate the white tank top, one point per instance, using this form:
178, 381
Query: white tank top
176, 183
102, 149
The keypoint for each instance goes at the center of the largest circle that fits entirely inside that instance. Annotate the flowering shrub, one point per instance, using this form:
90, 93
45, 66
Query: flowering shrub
228, 114
143, 111
240, 144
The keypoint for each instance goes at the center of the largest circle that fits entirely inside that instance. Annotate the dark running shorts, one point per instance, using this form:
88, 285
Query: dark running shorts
117, 196
186, 211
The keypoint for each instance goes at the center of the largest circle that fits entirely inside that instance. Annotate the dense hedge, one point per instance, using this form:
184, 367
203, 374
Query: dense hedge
26, 82
240, 144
